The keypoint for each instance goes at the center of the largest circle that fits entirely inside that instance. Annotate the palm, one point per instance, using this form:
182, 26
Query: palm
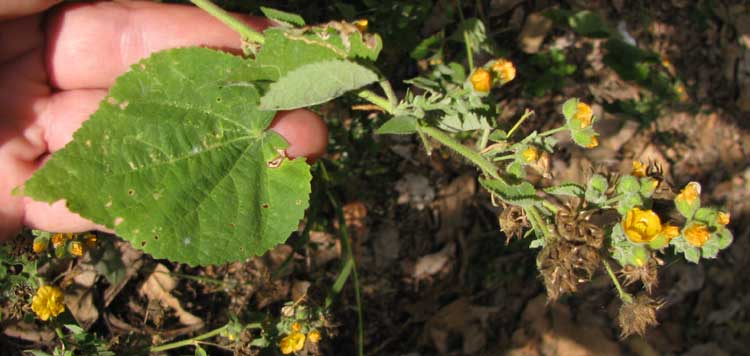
54, 73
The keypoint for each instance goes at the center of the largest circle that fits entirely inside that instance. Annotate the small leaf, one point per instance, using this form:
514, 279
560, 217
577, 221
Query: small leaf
659, 242
567, 188
399, 125
707, 216
498, 136
199, 351
583, 137
523, 194
282, 16
628, 202
516, 169
598, 183
686, 208
724, 237
692, 254
711, 248
628, 185
569, 108
589, 24
316, 83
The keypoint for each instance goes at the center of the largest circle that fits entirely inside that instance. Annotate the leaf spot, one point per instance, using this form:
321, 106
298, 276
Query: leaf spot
112, 101
118, 220
132, 165
276, 162
143, 243
186, 241
264, 206
298, 202
131, 192
156, 195
123, 105
88, 143
156, 237
108, 205
196, 150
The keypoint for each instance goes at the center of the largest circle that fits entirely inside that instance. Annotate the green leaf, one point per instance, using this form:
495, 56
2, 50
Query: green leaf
707, 216
282, 16
287, 49
424, 48
659, 242
589, 24
691, 253
498, 136
516, 169
569, 108
628, 185
399, 125
711, 248
522, 194
648, 186
724, 237
628, 202
583, 137
177, 160
460, 123
316, 83
566, 188
199, 351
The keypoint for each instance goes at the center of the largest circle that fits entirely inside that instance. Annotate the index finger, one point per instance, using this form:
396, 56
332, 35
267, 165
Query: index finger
89, 45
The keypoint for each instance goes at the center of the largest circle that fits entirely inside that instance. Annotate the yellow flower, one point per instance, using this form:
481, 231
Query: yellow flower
76, 248
296, 326
48, 302
361, 25
594, 142
697, 234
58, 239
670, 231
639, 169
292, 343
481, 80
314, 336
40, 245
690, 193
504, 70
530, 154
722, 218
641, 225
584, 114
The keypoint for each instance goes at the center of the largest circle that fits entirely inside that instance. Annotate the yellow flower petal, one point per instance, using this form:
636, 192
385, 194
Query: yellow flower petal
584, 114
722, 218
296, 326
594, 142
48, 302
504, 70
697, 234
39, 246
639, 169
76, 248
292, 343
361, 25
314, 336
641, 226
530, 154
670, 231
690, 193
481, 80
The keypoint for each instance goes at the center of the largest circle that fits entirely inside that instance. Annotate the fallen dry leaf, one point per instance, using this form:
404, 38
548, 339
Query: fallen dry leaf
157, 287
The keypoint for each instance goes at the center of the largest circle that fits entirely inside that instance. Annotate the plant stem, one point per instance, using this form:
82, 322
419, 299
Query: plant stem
377, 100
624, 296
482, 143
553, 131
504, 158
389, 93
247, 33
487, 167
346, 242
526, 114
190, 341
535, 216
467, 40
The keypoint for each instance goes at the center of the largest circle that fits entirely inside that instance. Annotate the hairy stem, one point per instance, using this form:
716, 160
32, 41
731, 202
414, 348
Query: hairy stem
245, 31
350, 266
377, 100
624, 296
553, 131
527, 114
389, 93
190, 341
486, 166
538, 220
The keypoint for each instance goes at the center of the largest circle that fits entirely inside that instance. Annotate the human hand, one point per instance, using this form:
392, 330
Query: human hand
55, 70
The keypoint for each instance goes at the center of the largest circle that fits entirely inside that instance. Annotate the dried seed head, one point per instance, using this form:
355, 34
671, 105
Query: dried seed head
564, 264
512, 222
637, 316
646, 274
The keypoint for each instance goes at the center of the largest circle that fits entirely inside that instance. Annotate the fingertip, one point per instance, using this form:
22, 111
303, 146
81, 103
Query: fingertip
305, 131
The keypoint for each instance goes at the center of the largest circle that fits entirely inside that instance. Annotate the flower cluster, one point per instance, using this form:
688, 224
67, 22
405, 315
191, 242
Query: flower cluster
64, 244
498, 72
